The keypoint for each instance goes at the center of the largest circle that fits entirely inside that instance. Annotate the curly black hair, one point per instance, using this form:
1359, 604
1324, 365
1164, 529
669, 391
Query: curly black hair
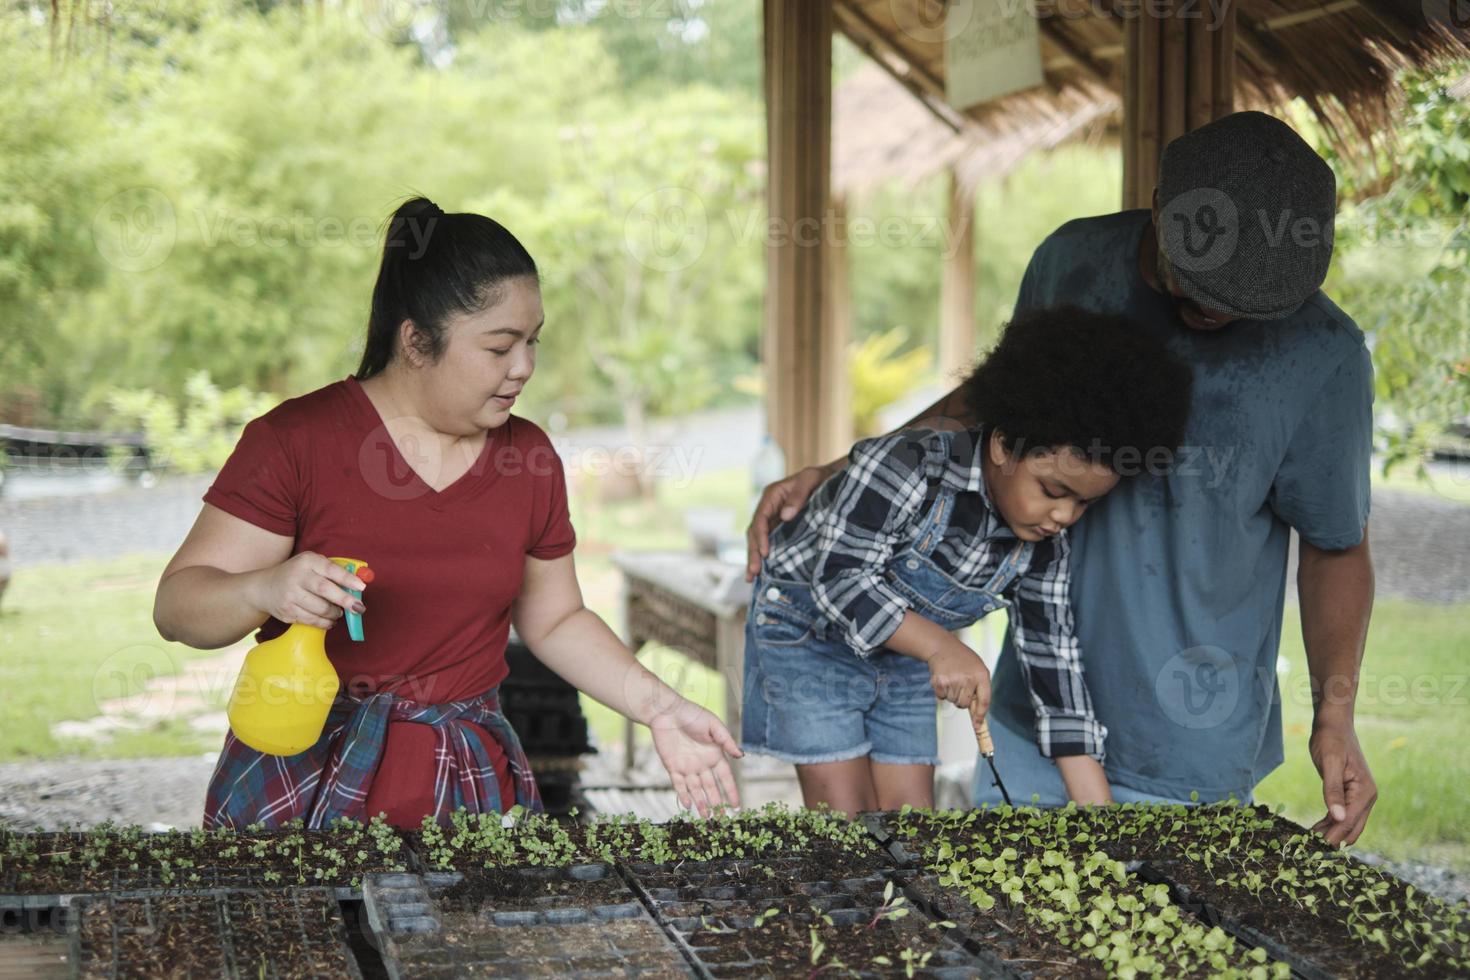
1100, 384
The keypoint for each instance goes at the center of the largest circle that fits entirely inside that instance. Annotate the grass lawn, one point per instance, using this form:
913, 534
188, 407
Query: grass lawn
73, 635
78, 634
1413, 723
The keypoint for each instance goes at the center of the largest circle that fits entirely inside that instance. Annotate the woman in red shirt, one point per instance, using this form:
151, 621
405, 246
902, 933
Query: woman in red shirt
416, 466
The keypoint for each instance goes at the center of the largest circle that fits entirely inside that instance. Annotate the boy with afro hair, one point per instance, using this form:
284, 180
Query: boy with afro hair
851, 632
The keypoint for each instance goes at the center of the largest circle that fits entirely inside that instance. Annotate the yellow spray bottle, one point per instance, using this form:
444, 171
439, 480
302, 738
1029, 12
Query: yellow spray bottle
286, 687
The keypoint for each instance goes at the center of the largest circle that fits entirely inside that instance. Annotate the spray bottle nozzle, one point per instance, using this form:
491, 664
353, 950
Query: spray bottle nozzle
359, 568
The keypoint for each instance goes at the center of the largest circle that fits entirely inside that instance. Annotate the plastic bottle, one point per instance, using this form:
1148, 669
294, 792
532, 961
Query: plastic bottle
287, 685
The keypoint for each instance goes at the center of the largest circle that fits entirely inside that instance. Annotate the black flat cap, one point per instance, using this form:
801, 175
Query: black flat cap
1246, 212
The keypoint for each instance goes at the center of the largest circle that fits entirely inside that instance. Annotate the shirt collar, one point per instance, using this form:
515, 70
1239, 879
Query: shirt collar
965, 472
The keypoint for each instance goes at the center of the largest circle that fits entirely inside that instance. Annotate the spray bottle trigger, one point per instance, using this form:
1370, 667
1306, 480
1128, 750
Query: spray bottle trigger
354, 620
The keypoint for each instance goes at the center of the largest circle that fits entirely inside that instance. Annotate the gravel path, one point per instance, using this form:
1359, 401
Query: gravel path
148, 792
1421, 543
107, 525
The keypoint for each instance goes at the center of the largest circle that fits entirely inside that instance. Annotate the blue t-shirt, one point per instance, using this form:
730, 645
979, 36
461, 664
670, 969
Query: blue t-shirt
1179, 579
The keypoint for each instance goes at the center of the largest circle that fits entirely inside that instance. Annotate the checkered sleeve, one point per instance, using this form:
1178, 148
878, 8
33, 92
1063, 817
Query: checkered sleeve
1051, 659
880, 493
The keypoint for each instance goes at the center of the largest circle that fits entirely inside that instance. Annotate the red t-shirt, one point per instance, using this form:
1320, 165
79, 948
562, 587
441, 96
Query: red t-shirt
323, 469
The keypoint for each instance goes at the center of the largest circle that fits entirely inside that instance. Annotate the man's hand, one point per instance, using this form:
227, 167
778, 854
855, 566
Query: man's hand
692, 744
781, 501
1347, 785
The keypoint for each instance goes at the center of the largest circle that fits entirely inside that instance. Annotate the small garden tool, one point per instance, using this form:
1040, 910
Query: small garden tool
987, 749
287, 686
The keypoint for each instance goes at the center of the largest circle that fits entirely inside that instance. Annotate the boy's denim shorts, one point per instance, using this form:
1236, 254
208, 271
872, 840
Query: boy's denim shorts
810, 698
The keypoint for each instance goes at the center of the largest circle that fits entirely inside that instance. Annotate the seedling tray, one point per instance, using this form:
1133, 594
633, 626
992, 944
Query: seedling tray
733, 917
292, 933
1318, 942
532, 896
734, 892
579, 921
856, 939
38, 884
1023, 950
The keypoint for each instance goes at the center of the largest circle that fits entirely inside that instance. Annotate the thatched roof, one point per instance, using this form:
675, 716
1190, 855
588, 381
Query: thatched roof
880, 134
1339, 56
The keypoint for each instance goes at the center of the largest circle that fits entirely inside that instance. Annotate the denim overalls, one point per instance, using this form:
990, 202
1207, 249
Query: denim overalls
810, 698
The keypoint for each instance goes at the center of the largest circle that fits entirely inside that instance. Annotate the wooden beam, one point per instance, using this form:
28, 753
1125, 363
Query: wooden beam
854, 17
957, 286
1306, 16
940, 109
804, 362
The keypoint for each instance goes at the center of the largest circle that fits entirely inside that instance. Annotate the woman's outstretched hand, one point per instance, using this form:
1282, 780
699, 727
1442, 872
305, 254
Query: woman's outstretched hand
692, 744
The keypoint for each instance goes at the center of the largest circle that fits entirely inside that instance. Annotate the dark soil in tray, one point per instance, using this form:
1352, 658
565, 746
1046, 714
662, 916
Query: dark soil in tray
734, 891
513, 889
471, 946
124, 859
1321, 935
783, 946
277, 934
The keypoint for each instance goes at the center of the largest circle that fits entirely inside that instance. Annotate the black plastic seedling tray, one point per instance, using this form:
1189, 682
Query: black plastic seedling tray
293, 933
37, 907
710, 908
579, 921
1302, 966
1021, 950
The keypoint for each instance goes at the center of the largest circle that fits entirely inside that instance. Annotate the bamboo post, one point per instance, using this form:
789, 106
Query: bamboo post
1150, 64
1131, 88
1174, 74
836, 433
1201, 70
1223, 64
1178, 74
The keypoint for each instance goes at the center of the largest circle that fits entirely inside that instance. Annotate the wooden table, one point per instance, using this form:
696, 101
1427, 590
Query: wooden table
693, 604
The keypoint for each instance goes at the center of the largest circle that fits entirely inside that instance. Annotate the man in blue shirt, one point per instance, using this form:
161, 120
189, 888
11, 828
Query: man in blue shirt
1180, 575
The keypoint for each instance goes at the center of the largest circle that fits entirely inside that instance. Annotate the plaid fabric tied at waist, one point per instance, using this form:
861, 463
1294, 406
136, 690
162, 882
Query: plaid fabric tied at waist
331, 779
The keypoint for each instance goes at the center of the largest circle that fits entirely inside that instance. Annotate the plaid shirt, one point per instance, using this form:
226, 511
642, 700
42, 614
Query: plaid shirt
331, 779
856, 522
